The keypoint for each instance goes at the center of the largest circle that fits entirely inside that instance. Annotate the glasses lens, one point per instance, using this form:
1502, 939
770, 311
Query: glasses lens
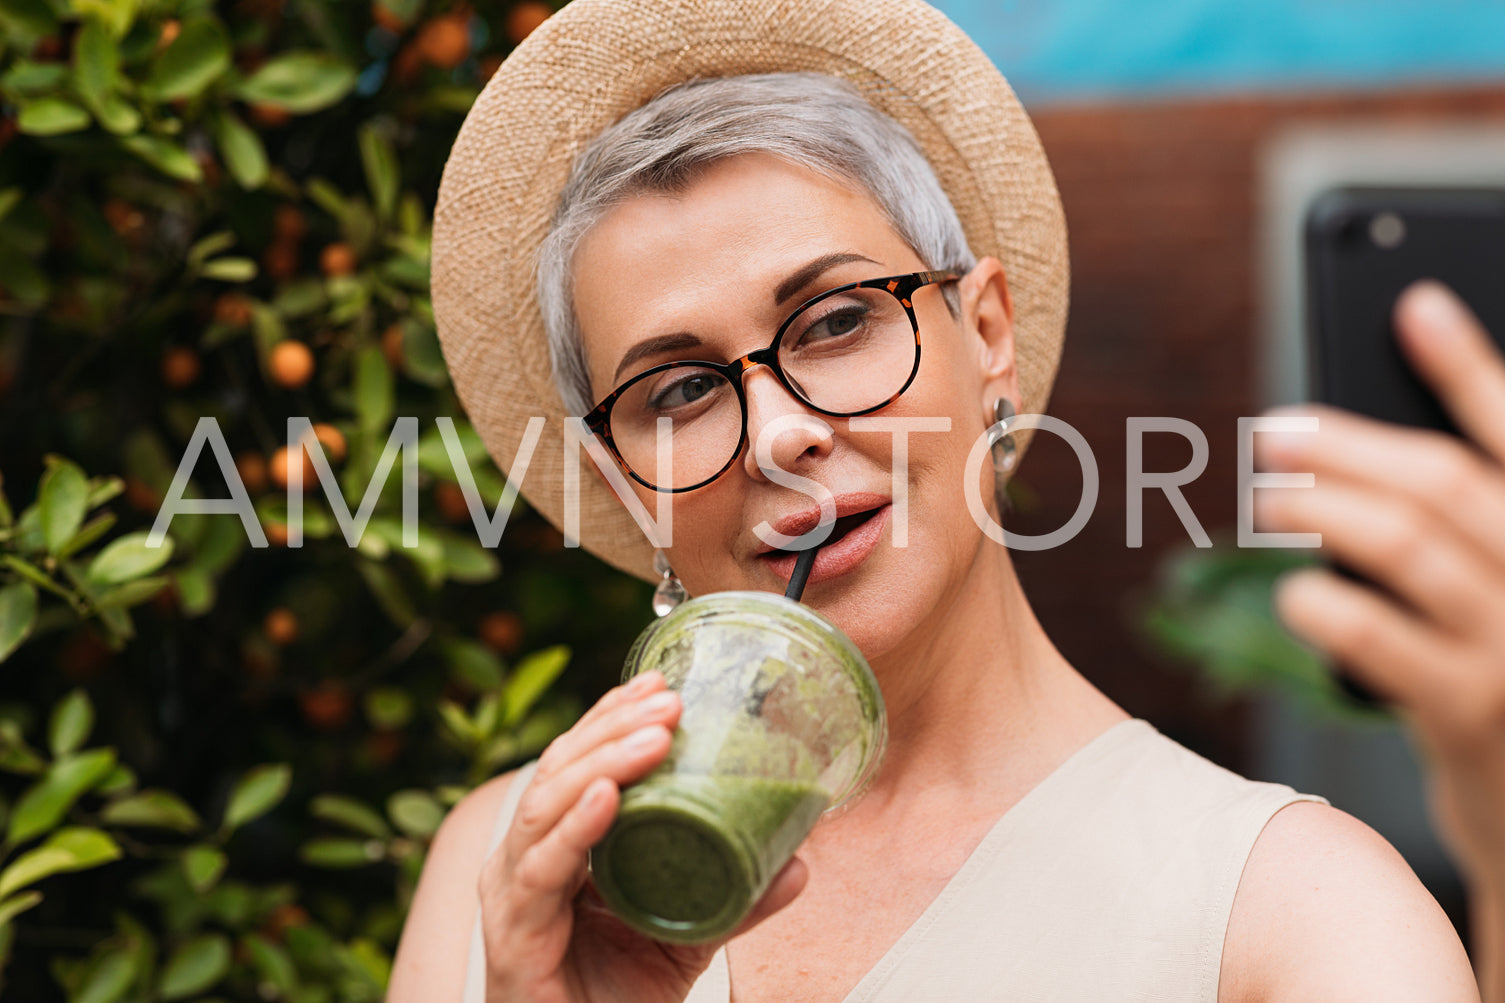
850, 352
677, 427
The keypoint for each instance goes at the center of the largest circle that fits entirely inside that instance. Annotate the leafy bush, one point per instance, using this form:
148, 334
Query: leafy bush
221, 764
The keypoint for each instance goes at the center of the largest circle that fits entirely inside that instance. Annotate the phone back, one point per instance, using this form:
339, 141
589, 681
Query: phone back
1364, 246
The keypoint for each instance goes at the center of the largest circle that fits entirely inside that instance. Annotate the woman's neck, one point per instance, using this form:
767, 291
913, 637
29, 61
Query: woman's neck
979, 700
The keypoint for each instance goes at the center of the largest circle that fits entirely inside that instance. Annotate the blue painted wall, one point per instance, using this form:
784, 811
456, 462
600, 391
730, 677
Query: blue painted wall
1069, 50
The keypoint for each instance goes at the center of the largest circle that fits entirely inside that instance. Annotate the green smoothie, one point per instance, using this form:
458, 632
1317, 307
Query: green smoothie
781, 719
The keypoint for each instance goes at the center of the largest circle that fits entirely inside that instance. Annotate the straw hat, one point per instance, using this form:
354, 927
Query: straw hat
596, 60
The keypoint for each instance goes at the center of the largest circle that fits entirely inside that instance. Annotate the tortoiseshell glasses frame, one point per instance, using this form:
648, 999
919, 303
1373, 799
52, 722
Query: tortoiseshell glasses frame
901, 287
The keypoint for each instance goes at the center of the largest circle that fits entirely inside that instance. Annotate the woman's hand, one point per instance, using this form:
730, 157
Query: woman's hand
547, 935
1422, 514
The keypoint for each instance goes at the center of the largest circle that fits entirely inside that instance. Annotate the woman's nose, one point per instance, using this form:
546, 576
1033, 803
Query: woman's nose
781, 430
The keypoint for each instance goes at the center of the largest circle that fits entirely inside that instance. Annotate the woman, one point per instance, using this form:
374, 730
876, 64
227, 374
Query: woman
1025, 838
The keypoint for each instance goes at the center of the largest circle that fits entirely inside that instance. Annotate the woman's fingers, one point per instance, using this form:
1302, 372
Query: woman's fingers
550, 872
1441, 476
623, 744
1398, 545
1402, 657
1445, 342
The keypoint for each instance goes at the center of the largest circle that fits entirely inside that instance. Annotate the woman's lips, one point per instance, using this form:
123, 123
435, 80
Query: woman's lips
836, 557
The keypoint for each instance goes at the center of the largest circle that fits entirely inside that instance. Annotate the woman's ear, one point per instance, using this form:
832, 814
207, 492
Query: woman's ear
988, 312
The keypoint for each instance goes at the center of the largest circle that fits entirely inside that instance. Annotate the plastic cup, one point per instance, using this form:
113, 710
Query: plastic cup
782, 720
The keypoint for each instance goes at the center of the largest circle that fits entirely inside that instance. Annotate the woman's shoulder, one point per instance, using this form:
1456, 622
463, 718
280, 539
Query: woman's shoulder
1326, 908
432, 955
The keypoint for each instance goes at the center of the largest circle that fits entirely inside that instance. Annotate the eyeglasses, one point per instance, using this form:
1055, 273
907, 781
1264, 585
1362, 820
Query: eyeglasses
847, 352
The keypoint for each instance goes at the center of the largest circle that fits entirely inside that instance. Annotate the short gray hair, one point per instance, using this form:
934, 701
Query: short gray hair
809, 119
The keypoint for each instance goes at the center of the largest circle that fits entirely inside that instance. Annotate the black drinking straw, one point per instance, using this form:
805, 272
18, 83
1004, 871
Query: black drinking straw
801, 573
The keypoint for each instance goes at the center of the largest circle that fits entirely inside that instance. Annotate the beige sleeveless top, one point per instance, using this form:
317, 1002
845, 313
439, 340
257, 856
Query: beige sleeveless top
1112, 879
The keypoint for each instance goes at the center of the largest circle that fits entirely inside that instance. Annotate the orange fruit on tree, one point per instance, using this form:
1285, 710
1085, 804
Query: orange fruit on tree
170, 29
281, 467
252, 469
337, 259
280, 260
444, 42
232, 308
180, 367
387, 18
270, 115
290, 363
501, 631
327, 705
451, 502
289, 223
280, 626
524, 17
125, 219
139, 496
333, 441
276, 533
392, 345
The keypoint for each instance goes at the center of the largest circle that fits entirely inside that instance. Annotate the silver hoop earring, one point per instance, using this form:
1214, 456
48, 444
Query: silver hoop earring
670, 592
1001, 445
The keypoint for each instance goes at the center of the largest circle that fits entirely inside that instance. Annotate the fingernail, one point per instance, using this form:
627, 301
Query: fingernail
639, 684
658, 703
1437, 307
644, 738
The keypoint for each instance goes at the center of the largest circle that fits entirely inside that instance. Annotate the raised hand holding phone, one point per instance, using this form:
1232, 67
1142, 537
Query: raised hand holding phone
1421, 514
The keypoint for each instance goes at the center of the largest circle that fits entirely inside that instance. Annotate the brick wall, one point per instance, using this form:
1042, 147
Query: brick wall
1160, 202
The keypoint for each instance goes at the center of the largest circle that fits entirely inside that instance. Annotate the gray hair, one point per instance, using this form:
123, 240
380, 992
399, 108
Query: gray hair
809, 119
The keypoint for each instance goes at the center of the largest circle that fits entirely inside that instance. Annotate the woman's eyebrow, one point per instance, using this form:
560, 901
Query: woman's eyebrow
653, 346
813, 270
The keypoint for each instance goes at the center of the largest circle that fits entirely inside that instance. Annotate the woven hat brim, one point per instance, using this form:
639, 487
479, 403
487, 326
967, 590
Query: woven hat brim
596, 60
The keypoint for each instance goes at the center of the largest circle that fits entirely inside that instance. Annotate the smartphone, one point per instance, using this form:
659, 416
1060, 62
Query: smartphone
1364, 246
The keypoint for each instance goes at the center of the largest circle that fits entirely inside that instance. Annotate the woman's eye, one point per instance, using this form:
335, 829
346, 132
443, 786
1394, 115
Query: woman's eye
837, 324
684, 390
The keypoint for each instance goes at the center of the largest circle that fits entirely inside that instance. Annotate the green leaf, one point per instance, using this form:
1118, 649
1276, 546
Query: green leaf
108, 978
72, 720
533, 676
473, 664
96, 62
229, 269
45, 803
467, 561
62, 502
72, 849
340, 852
207, 247
9, 199
193, 61
117, 115
202, 866
196, 966
51, 116
132, 593
299, 82
88, 535
243, 152
415, 812
165, 155
14, 906
256, 793
127, 558
351, 814
374, 390
388, 591
381, 168
156, 809
389, 707
18, 614
196, 590
117, 15
273, 965
28, 19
